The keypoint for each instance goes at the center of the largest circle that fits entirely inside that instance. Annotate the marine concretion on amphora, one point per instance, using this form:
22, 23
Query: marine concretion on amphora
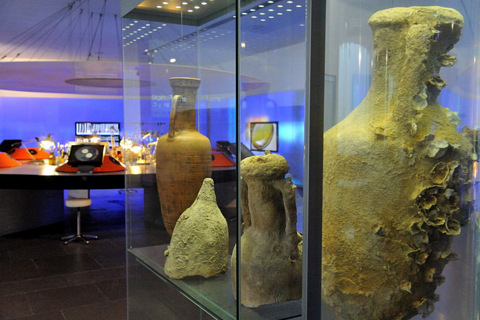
183, 155
271, 259
199, 244
396, 175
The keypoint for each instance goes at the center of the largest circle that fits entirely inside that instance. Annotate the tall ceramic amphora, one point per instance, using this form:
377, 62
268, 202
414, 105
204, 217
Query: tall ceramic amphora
397, 176
183, 155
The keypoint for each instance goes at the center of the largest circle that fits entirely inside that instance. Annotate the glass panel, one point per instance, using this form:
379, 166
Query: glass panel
272, 108
180, 126
400, 222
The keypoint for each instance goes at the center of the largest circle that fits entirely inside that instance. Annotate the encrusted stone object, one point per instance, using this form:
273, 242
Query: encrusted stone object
397, 175
271, 255
199, 244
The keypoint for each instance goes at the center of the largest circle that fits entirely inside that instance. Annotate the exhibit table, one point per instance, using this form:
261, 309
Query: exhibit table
31, 195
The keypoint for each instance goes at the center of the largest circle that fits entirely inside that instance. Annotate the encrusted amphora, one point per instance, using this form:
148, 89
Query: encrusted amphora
183, 155
271, 255
396, 175
199, 244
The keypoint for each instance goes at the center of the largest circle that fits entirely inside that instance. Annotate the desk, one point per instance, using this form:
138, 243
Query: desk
31, 195
44, 177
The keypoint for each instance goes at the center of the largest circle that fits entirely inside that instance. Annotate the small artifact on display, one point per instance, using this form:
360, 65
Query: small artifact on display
270, 254
397, 175
199, 245
183, 155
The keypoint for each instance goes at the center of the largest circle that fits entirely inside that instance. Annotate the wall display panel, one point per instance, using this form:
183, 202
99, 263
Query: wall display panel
196, 79
400, 229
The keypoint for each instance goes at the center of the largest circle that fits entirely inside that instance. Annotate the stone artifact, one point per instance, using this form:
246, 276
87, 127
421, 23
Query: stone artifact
397, 175
271, 256
184, 156
199, 245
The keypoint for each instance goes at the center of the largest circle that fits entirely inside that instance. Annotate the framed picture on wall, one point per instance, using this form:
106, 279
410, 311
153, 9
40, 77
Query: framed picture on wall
264, 136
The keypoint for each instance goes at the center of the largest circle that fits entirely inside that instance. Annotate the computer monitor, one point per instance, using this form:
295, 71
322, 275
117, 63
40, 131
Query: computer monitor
104, 130
86, 156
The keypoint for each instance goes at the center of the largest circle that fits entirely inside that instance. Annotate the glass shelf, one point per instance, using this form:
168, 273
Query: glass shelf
209, 294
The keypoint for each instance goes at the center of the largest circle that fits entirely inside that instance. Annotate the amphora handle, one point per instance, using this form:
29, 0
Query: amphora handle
173, 116
287, 188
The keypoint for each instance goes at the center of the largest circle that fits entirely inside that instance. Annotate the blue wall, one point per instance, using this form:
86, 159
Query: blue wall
27, 118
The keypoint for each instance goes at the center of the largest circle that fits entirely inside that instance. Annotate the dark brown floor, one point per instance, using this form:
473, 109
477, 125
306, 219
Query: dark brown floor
41, 278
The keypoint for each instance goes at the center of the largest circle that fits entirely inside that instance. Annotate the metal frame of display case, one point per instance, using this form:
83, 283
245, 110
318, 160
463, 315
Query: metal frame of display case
314, 119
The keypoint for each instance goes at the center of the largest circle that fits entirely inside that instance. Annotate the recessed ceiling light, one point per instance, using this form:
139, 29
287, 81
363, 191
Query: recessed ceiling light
263, 20
280, 6
261, 6
298, 5
165, 2
279, 13
252, 9
271, 10
254, 17
271, 17
196, 7
190, 10
178, 7
159, 7
289, 10
204, 3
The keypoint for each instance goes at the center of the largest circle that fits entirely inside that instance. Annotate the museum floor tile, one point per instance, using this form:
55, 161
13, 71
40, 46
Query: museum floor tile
43, 279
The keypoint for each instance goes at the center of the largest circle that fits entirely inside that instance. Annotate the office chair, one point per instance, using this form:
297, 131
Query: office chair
78, 199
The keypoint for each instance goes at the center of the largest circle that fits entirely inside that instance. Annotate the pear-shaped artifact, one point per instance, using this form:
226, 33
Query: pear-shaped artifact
396, 175
183, 155
199, 244
271, 257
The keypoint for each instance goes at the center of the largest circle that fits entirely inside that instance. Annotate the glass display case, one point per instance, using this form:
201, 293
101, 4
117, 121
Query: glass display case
240, 213
203, 90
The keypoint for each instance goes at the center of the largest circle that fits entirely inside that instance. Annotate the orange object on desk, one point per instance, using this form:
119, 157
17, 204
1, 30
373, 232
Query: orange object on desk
220, 160
36, 153
110, 164
7, 161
